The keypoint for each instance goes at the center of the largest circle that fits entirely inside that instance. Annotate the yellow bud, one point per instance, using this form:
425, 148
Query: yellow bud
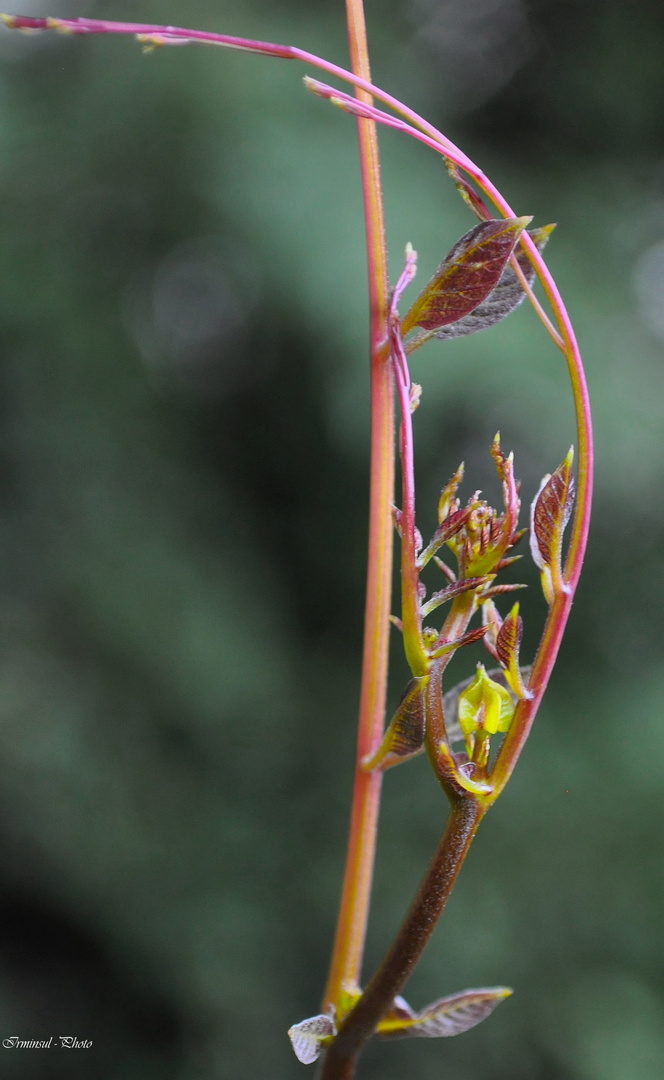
485, 705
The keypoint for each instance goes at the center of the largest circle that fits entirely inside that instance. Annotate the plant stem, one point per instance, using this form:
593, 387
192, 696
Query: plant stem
405, 951
467, 811
346, 963
566, 340
411, 616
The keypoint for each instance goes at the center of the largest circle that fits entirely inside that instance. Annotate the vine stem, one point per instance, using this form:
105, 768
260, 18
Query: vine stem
565, 338
151, 34
348, 950
360, 1022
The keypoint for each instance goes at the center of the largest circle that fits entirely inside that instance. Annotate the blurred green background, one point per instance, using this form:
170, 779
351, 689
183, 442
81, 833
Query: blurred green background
183, 481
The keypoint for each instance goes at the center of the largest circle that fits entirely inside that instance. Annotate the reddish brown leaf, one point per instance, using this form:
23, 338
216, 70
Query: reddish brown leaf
508, 641
509, 637
455, 589
448, 501
550, 513
449, 528
405, 733
468, 193
466, 639
504, 298
498, 590
467, 275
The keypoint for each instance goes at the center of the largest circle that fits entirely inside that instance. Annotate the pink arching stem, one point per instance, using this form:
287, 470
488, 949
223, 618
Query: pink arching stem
170, 34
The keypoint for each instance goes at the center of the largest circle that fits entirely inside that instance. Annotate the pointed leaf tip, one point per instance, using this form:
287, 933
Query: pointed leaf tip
448, 1016
507, 645
309, 1037
467, 275
550, 512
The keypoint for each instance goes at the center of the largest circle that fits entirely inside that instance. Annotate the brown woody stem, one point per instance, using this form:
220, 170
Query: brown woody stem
360, 1023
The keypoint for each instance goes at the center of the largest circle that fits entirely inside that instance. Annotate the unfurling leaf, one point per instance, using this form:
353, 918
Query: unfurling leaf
467, 275
309, 1037
448, 501
452, 524
455, 589
466, 639
448, 1016
501, 301
508, 641
404, 737
549, 515
493, 622
468, 193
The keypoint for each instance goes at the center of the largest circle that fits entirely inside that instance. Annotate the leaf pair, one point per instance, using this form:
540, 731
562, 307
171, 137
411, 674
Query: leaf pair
474, 287
448, 1016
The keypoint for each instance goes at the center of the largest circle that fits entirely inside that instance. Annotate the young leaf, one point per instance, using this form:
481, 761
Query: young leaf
550, 512
466, 639
309, 1037
452, 524
448, 501
501, 301
493, 622
467, 275
455, 589
467, 192
448, 1016
404, 737
508, 641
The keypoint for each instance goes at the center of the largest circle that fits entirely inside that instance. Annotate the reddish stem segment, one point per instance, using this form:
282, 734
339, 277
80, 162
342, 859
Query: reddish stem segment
410, 600
346, 963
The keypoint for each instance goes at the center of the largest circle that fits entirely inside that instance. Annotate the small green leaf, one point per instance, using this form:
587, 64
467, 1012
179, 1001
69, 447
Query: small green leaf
467, 275
448, 1016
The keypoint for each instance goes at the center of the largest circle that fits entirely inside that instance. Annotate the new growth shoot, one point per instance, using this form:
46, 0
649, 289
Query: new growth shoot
473, 732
